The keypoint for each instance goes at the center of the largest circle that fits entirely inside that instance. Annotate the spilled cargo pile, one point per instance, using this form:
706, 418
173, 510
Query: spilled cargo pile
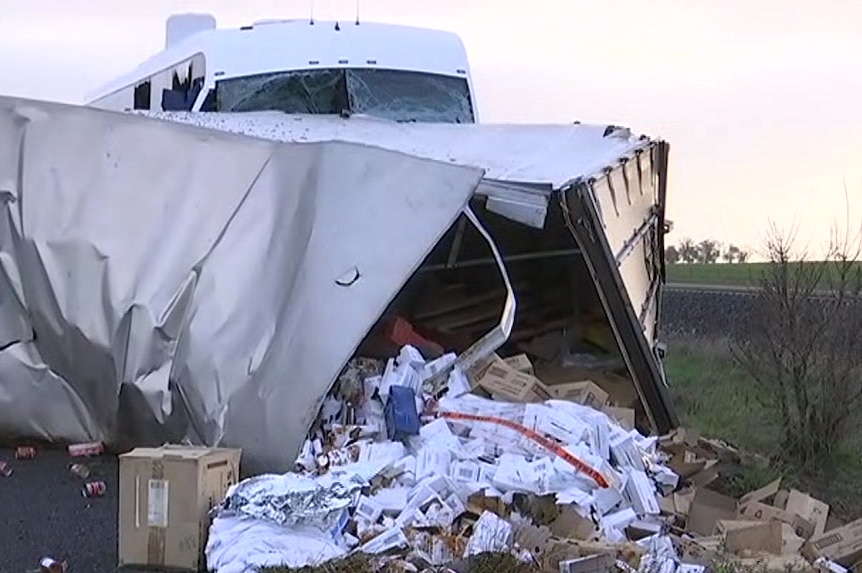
496, 463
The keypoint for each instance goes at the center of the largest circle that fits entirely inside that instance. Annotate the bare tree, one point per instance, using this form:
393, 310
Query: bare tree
687, 251
741, 256
731, 253
708, 251
800, 344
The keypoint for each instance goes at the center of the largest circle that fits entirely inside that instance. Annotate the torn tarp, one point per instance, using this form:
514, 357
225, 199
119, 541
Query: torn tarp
161, 281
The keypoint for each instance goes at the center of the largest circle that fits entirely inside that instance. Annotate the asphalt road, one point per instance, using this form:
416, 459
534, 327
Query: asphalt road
44, 514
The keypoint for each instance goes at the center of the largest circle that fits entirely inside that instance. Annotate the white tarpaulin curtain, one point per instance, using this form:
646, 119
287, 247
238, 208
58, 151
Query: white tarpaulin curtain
160, 281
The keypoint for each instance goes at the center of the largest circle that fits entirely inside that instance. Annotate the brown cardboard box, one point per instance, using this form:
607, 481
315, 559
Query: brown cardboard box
762, 494
591, 564
758, 511
707, 509
521, 363
808, 508
570, 525
501, 380
621, 391
624, 416
754, 506
583, 392
843, 545
165, 495
756, 536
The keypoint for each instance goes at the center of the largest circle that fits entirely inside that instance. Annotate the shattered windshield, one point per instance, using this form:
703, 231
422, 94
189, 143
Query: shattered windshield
318, 91
388, 94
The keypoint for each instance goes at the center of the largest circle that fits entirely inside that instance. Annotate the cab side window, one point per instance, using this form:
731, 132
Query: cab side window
181, 84
142, 95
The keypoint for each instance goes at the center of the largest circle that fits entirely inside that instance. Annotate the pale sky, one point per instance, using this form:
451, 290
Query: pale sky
759, 99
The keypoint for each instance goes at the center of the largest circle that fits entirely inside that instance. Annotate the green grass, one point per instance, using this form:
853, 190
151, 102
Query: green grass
719, 274
716, 398
741, 274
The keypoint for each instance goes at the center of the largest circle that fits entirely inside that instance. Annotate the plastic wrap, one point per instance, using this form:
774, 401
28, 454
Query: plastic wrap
238, 545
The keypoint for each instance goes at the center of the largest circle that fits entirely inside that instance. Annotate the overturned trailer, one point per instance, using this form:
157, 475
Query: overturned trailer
165, 282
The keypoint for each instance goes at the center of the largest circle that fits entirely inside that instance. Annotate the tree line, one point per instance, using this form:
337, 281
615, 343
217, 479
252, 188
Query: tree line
706, 251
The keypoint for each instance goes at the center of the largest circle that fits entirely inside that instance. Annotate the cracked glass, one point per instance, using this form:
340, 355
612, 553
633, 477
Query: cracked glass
390, 94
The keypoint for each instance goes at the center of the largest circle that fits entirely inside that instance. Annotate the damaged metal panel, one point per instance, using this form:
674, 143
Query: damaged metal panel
522, 163
184, 283
617, 220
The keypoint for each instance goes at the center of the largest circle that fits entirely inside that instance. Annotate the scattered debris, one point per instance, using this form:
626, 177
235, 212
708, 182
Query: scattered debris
51, 565
94, 489
25, 453
87, 449
80, 471
494, 463
5, 469
503, 461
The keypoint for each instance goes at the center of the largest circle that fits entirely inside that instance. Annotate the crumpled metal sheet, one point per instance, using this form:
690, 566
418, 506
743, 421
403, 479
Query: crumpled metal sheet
291, 499
161, 282
513, 156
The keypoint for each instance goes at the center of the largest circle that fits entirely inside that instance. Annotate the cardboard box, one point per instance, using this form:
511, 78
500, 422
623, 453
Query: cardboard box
570, 525
762, 494
591, 564
758, 511
165, 495
707, 509
620, 390
624, 416
808, 508
755, 536
583, 392
521, 363
501, 380
843, 545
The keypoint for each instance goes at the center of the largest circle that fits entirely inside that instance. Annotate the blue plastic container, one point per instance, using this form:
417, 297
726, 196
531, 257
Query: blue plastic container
402, 419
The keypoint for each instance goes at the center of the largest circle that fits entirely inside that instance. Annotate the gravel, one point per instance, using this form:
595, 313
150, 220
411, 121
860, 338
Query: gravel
705, 314
46, 515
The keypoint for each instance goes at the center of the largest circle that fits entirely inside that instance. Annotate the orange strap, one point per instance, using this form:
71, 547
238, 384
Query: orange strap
546, 443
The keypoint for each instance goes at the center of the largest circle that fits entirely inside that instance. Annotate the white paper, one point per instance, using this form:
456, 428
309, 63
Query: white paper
158, 495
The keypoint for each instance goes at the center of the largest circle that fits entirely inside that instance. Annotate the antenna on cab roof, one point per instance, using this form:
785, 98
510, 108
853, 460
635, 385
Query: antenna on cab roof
357, 12
311, 20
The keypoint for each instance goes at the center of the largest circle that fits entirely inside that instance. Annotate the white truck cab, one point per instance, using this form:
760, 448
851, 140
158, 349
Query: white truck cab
401, 73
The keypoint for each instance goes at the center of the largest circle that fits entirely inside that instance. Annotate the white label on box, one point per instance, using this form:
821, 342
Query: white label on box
157, 503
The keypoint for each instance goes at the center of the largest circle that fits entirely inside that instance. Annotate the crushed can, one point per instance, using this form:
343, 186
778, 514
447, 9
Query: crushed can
25, 453
51, 565
5, 469
94, 489
87, 449
79, 471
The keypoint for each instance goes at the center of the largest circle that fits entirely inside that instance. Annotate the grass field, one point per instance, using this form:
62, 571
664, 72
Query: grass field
719, 400
720, 274
742, 274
